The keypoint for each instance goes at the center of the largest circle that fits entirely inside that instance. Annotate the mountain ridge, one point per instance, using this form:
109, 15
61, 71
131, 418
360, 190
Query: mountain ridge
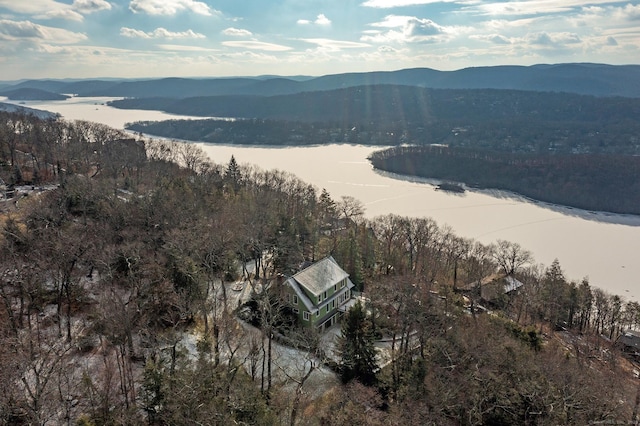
399, 103
29, 94
579, 78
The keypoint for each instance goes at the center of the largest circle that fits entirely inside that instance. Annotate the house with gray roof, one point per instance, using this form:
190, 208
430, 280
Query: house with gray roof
319, 294
629, 341
493, 289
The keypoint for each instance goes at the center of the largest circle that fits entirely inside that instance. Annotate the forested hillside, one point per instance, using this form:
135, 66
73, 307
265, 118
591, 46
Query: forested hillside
503, 120
402, 104
117, 304
591, 182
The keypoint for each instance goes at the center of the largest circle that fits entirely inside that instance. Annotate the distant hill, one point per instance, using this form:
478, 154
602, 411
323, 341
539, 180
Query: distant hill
354, 104
44, 115
27, 94
579, 78
73, 87
407, 104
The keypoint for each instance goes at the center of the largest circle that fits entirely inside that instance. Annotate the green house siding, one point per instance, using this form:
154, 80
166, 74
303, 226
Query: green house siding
318, 292
324, 311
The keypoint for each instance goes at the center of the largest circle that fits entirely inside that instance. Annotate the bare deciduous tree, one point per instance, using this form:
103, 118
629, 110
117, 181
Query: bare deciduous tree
510, 257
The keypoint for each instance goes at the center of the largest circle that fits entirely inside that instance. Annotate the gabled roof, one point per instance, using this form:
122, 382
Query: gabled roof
511, 284
630, 338
320, 276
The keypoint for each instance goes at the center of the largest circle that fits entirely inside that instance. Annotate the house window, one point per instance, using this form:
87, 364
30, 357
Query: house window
295, 299
342, 284
305, 315
335, 287
324, 295
319, 298
333, 304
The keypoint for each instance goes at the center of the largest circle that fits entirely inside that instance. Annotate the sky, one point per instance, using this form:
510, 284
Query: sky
211, 38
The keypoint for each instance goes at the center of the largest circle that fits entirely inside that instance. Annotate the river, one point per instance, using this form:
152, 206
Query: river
603, 247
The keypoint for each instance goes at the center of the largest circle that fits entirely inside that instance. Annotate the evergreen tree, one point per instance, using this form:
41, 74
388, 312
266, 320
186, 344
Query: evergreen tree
356, 346
232, 171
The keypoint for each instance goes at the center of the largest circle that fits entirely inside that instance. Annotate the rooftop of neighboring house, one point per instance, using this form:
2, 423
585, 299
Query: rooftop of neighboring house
630, 338
509, 283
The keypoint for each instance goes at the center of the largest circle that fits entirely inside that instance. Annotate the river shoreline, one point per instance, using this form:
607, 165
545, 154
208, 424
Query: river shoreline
601, 246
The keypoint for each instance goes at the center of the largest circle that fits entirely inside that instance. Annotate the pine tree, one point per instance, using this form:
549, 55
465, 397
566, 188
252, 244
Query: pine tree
232, 173
356, 346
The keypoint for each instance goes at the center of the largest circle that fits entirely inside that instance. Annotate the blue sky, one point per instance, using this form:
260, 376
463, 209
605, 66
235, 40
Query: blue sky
158, 38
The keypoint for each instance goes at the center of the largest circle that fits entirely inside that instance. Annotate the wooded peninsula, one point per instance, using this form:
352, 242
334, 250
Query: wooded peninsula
590, 182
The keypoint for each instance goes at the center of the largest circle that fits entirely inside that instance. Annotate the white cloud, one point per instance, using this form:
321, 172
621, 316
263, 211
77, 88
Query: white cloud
383, 37
510, 24
405, 29
51, 9
42, 9
182, 48
387, 4
411, 26
29, 31
61, 13
422, 27
236, 32
335, 45
632, 12
321, 20
533, 7
554, 39
249, 57
491, 38
133, 33
610, 21
257, 45
91, 6
159, 33
393, 21
170, 7
12, 30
